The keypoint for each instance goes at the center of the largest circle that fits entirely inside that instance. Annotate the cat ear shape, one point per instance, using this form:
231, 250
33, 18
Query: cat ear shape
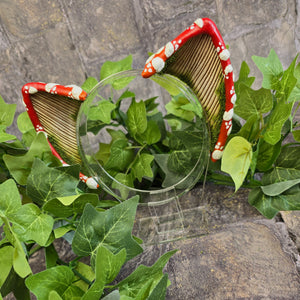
53, 109
199, 57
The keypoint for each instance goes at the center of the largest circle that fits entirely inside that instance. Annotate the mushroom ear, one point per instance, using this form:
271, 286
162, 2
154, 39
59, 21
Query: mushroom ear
53, 109
198, 56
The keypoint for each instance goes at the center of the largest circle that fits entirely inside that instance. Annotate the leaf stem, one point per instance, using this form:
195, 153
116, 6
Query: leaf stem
32, 251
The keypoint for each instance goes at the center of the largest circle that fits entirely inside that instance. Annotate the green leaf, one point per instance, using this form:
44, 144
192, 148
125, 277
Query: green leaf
107, 267
280, 174
114, 295
267, 155
57, 279
277, 188
180, 161
24, 122
89, 84
243, 78
160, 290
142, 166
253, 102
20, 262
51, 256
10, 200
4, 137
175, 107
296, 135
171, 177
289, 157
102, 111
278, 117
295, 94
152, 134
236, 159
144, 278
53, 295
7, 113
59, 182
136, 118
251, 128
103, 153
123, 181
287, 82
111, 229
120, 156
6, 262
69, 205
20, 166
262, 203
87, 272
31, 224
271, 69
110, 68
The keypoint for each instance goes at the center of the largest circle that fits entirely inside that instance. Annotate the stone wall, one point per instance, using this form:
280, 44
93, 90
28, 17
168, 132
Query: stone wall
65, 41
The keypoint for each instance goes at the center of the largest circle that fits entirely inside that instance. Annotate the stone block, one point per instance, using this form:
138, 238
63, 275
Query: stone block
25, 18
103, 31
234, 15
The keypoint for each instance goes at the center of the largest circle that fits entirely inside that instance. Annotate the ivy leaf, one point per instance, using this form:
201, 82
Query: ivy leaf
123, 181
296, 135
114, 295
251, 128
180, 161
152, 134
142, 166
175, 107
243, 78
27, 129
110, 68
4, 137
59, 182
289, 157
120, 157
87, 272
136, 118
277, 188
271, 69
278, 117
171, 177
160, 290
20, 166
107, 267
31, 224
10, 200
253, 102
68, 205
102, 111
236, 159
57, 279
111, 228
267, 155
280, 174
7, 113
89, 84
103, 153
287, 82
262, 203
6, 262
144, 279
295, 94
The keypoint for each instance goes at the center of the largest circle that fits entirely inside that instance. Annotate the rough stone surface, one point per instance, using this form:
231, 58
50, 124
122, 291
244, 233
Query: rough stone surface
231, 251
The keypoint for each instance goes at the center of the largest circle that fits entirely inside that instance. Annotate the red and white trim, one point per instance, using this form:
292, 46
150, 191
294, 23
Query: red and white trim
157, 61
70, 91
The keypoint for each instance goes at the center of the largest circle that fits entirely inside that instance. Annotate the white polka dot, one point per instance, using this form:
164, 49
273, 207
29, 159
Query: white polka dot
50, 86
229, 130
169, 49
233, 99
158, 64
228, 69
199, 22
91, 183
217, 154
225, 54
228, 115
